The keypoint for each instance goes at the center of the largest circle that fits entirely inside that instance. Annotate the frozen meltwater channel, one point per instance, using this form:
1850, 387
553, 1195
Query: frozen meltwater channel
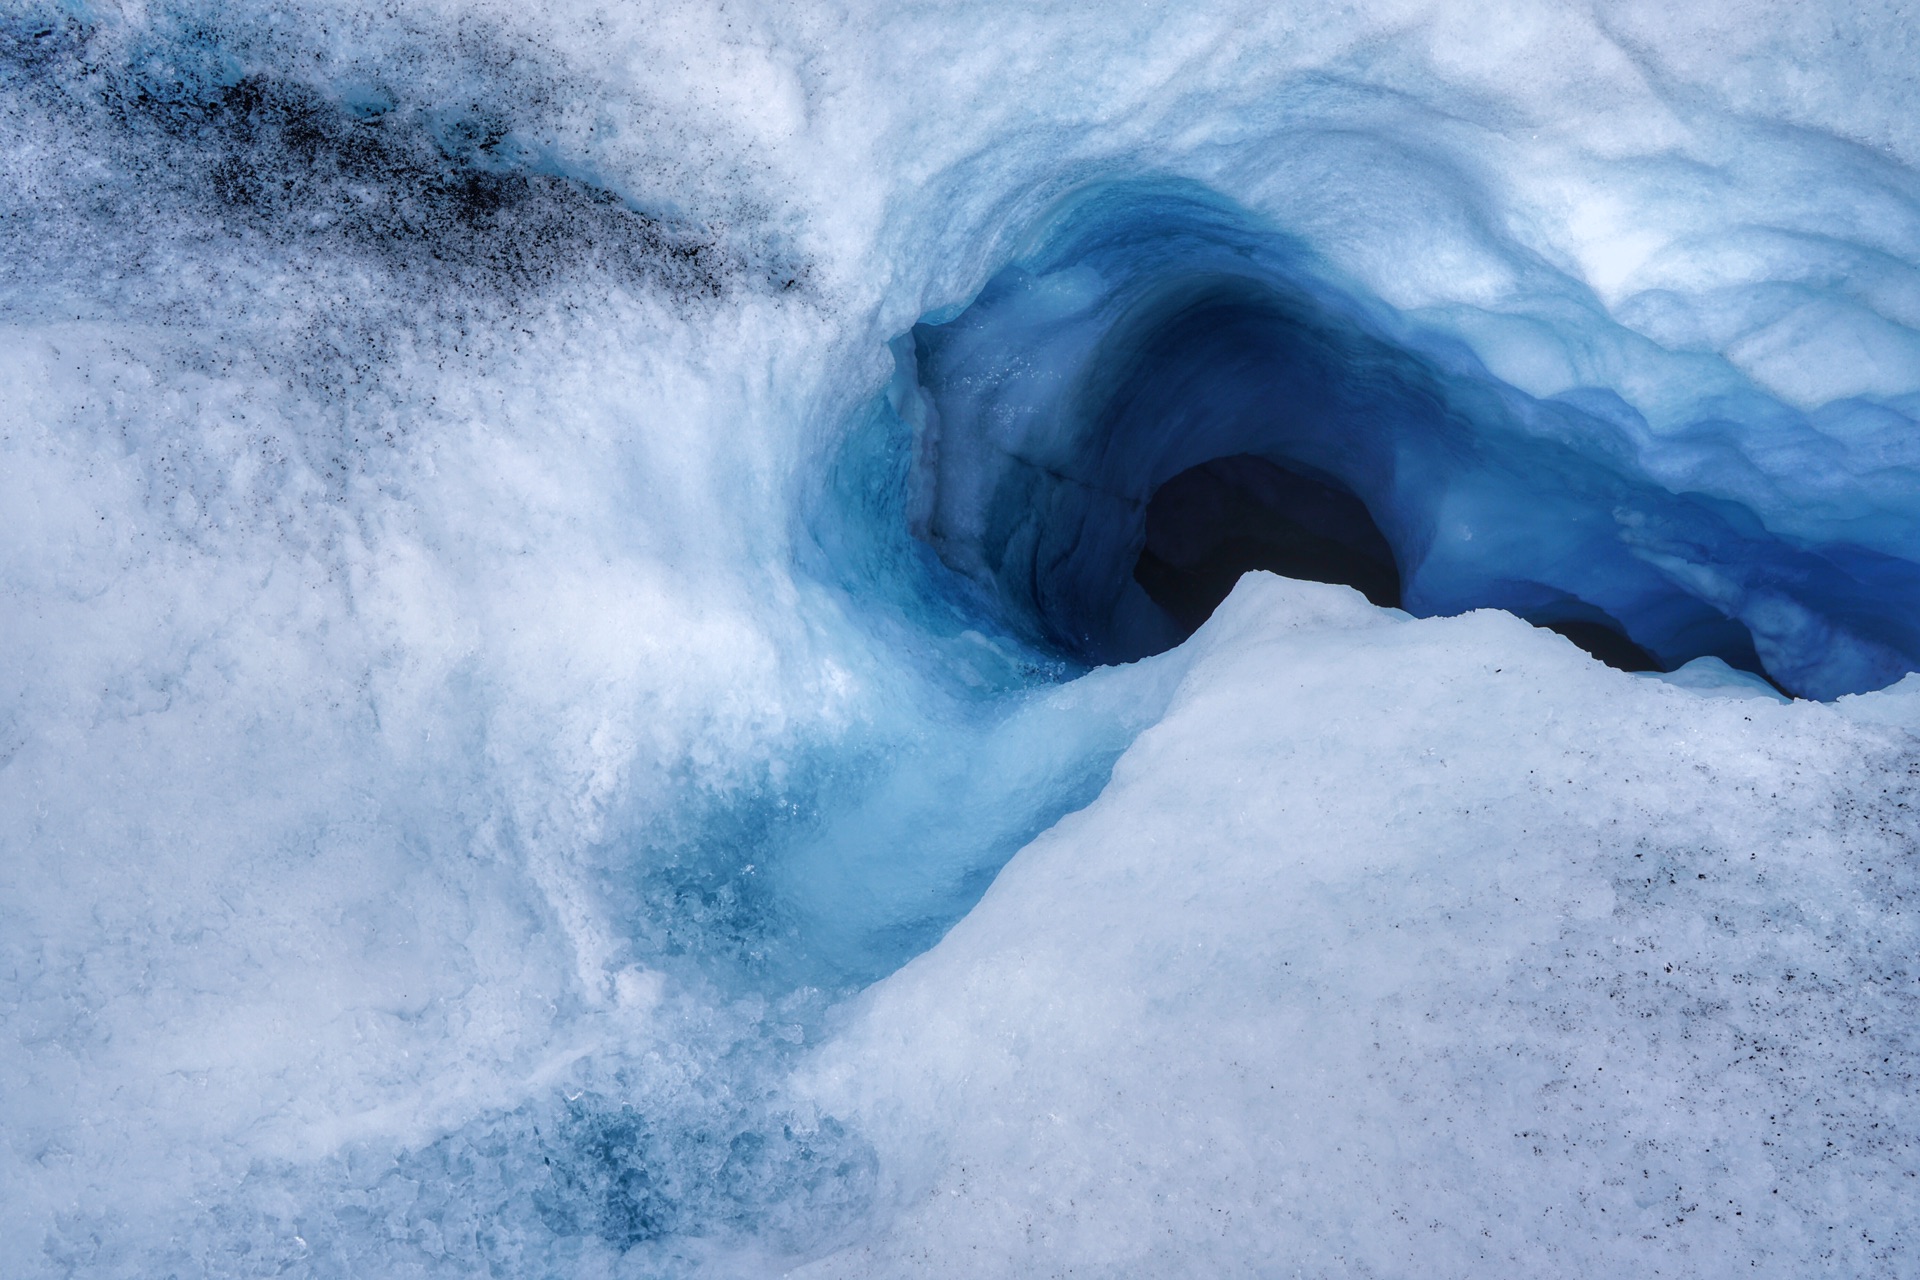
622, 653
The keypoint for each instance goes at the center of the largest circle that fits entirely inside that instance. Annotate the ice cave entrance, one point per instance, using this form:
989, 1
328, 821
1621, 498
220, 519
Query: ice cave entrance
1160, 394
1214, 522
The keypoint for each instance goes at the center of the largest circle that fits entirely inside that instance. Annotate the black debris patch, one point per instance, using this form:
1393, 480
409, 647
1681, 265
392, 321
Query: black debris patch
183, 127
282, 160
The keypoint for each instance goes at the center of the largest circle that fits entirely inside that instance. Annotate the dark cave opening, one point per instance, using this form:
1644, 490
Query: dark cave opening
1211, 523
1230, 516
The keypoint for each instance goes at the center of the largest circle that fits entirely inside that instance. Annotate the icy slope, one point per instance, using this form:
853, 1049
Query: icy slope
474, 710
1420, 948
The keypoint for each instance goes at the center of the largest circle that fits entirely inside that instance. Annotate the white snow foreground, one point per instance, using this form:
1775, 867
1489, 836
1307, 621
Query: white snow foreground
1420, 948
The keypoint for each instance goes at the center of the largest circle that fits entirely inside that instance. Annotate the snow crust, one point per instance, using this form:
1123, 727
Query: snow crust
1418, 948
474, 717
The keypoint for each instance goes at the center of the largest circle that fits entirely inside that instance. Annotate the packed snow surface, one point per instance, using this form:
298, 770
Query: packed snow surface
617, 657
1419, 948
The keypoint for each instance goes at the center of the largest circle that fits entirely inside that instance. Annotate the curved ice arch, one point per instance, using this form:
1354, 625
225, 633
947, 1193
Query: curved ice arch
1147, 329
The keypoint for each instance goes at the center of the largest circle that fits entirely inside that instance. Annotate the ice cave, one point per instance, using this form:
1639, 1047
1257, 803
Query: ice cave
721, 640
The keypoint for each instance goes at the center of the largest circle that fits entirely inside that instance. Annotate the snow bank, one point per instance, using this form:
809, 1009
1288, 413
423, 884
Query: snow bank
1419, 948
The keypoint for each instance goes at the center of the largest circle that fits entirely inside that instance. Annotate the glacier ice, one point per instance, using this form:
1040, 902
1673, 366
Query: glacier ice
552, 717
1151, 333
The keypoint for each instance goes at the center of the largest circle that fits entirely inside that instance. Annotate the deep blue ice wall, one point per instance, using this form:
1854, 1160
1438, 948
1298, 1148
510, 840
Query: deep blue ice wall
1151, 329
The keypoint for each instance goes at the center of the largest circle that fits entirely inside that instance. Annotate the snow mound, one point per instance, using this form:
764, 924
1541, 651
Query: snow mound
1420, 947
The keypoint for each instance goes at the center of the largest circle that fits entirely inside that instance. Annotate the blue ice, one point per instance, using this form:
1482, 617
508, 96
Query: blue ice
1152, 330
553, 557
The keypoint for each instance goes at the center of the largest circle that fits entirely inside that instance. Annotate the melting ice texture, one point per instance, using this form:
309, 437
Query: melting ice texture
475, 709
1153, 332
